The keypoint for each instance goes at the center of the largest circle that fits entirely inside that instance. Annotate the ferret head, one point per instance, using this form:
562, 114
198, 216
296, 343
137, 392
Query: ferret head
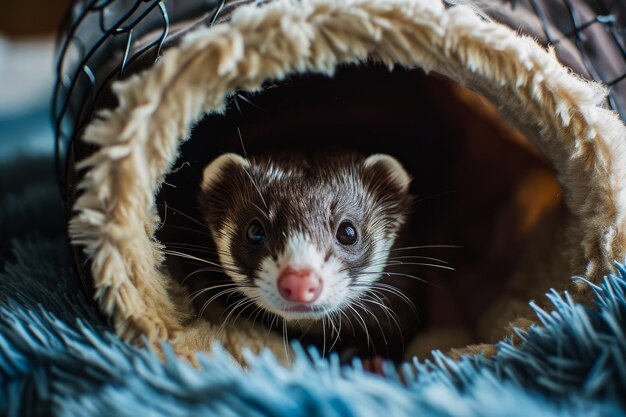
304, 237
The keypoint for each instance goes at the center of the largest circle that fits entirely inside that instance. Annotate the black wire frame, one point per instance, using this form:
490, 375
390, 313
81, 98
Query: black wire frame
94, 31
577, 26
67, 87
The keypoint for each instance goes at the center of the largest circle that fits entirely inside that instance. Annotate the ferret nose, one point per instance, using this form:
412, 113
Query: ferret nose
300, 285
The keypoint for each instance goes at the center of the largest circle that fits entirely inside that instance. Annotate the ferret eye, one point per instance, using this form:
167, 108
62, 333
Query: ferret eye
255, 233
346, 233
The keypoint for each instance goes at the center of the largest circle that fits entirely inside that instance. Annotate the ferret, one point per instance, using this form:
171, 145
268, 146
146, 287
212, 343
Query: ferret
305, 237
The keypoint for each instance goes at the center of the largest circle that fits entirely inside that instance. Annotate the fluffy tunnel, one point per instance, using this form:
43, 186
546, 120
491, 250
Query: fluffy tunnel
518, 163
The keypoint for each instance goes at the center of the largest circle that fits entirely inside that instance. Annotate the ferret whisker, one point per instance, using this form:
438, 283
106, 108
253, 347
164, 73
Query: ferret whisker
198, 293
430, 258
232, 309
243, 309
399, 274
343, 313
258, 311
360, 304
363, 325
271, 325
264, 319
250, 302
389, 313
273, 320
405, 248
449, 268
187, 245
167, 207
383, 265
187, 229
305, 331
202, 264
212, 268
395, 291
339, 318
233, 293
396, 261
338, 331
379, 295
197, 259
332, 325
192, 296
228, 291
225, 267
369, 288
367, 298
243, 148
426, 247
214, 297
263, 212
431, 196
258, 190
188, 256
178, 249
195, 248
201, 270
374, 298
323, 336
239, 96
286, 340
219, 270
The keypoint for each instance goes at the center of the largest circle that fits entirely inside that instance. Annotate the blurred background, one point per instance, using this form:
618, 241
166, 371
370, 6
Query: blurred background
27, 32
30, 203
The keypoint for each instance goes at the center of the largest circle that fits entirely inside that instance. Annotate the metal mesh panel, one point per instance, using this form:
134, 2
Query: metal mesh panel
100, 39
597, 29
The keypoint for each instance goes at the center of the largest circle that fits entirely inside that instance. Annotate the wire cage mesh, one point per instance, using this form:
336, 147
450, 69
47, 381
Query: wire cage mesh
101, 39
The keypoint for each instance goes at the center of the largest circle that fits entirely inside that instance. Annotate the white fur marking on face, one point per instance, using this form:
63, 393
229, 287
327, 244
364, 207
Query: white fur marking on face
377, 262
213, 170
299, 252
396, 172
223, 240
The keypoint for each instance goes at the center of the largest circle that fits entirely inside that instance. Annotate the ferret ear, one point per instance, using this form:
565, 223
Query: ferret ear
388, 167
218, 166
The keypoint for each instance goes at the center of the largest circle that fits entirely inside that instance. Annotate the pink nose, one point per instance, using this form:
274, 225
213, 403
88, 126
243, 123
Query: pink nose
300, 285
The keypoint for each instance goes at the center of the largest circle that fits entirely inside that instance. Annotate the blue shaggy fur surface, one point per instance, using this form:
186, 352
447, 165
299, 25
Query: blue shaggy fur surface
59, 358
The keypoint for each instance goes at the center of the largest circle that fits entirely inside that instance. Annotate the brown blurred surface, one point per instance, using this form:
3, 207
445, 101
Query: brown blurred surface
31, 18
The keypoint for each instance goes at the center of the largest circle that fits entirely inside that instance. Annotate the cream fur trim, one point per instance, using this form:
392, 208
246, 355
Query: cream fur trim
139, 140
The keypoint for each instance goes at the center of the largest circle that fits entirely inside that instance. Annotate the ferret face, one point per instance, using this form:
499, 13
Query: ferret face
304, 237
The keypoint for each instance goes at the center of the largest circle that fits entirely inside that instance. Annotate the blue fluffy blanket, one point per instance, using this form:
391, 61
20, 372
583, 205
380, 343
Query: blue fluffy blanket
57, 356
